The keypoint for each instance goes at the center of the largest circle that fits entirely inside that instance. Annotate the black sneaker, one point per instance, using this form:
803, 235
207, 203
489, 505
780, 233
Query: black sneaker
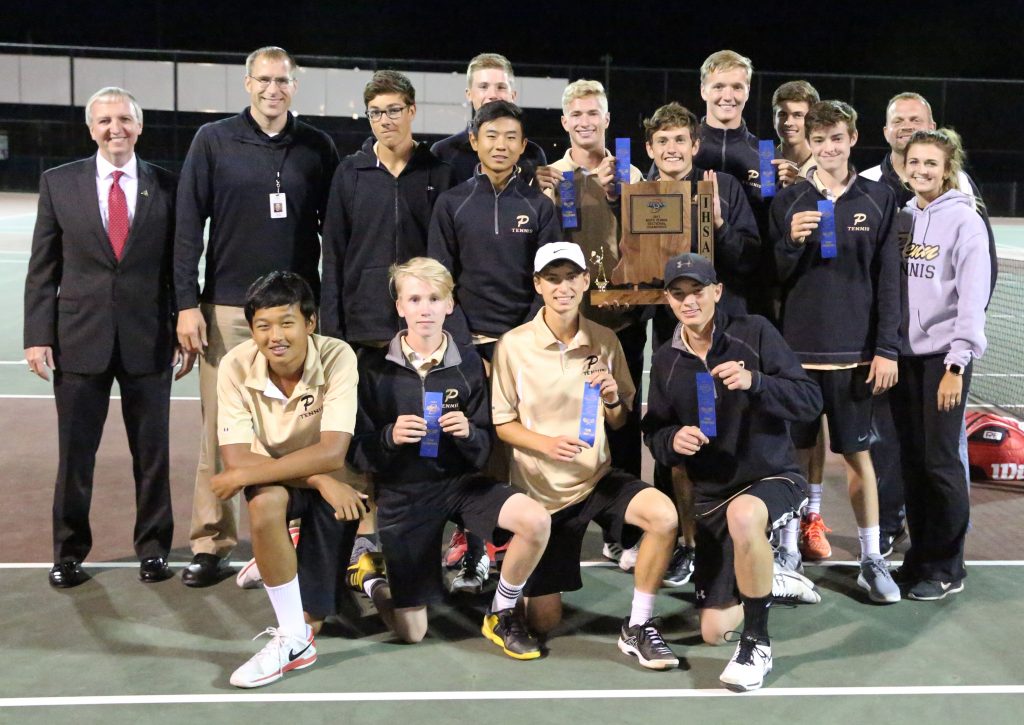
508, 630
932, 590
680, 568
645, 642
888, 539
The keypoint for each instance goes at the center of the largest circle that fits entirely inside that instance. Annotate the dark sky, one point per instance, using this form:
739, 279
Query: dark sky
960, 39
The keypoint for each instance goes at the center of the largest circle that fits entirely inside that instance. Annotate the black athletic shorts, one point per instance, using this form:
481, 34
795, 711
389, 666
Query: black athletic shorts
325, 545
411, 520
559, 567
847, 406
714, 573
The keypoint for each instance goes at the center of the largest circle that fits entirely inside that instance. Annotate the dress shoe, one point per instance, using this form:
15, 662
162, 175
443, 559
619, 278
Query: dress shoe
154, 569
205, 570
67, 574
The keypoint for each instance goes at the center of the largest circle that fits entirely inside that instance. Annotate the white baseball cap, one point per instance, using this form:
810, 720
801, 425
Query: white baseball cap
557, 251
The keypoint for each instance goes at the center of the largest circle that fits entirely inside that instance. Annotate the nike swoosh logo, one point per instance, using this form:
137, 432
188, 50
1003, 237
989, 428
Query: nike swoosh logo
861, 439
293, 655
945, 586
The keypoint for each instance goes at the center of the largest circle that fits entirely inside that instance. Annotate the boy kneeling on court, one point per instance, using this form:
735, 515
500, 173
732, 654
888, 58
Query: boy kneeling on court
424, 433
286, 413
723, 393
555, 382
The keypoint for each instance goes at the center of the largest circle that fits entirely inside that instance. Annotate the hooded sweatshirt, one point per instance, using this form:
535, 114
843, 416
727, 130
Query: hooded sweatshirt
946, 267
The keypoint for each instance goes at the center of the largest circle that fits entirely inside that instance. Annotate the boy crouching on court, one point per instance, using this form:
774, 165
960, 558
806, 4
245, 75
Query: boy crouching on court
424, 433
723, 392
555, 381
286, 413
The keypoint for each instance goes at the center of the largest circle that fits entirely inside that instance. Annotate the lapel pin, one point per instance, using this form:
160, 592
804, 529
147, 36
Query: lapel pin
144, 192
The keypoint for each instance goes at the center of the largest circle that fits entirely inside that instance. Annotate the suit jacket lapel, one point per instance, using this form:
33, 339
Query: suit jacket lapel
142, 203
91, 207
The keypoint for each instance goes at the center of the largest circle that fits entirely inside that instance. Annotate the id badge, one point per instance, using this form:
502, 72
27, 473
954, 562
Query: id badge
706, 413
827, 229
278, 206
567, 194
432, 406
588, 414
766, 153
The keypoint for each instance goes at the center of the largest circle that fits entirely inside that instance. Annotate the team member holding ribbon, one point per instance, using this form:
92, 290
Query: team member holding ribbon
790, 103
947, 269
584, 185
838, 257
556, 381
723, 393
423, 432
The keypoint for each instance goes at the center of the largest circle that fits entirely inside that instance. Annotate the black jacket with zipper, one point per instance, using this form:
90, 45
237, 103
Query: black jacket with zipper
487, 240
753, 425
374, 220
389, 387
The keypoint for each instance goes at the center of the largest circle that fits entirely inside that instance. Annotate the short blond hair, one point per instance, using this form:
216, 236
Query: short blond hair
271, 52
112, 94
489, 60
908, 96
724, 60
425, 269
584, 88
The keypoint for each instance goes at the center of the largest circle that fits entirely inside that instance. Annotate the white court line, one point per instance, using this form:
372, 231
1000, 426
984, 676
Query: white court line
584, 564
505, 695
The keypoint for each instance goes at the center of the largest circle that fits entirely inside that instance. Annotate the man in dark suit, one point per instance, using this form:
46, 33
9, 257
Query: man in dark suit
99, 306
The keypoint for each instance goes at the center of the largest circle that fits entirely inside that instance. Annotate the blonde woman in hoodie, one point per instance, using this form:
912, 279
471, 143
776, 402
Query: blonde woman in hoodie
946, 271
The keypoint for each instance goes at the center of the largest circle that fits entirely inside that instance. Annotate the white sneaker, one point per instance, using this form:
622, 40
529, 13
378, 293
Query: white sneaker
249, 576
875, 578
473, 575
627, 562
790, 587
282, 654
612, 551
748, 666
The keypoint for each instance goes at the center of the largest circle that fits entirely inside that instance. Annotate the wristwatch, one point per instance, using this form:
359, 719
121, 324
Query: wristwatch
955, 369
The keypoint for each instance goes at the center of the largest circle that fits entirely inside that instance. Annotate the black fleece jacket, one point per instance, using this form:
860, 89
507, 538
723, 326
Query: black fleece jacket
389, 387
753, 425
374, 220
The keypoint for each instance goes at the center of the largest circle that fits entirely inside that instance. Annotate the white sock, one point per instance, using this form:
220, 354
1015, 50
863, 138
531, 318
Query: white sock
791, 536
643, 608
813, 499
506, 595
868, 537
287, 603
371, 583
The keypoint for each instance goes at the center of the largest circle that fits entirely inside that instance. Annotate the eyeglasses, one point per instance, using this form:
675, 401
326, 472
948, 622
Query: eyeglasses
263, 82
393, 112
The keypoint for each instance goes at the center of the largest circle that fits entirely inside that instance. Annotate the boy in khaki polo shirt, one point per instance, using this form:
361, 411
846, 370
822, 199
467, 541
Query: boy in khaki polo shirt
286, 414
555, 381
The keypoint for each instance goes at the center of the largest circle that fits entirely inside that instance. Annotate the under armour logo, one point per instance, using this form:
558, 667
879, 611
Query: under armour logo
684, 264
306, 400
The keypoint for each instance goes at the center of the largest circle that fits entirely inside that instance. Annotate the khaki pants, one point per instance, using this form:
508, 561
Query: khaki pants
214, 527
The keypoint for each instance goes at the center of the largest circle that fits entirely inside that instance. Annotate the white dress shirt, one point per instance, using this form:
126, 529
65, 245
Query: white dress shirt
129, 182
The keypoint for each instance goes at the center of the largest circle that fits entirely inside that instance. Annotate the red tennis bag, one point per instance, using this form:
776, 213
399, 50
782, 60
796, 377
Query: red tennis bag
995, 447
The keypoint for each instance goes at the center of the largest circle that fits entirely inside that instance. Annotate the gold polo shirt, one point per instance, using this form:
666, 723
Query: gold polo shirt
423, 364
539, 381
253, 411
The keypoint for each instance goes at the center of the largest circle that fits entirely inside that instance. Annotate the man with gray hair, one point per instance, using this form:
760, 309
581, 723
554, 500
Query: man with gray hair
99, 307
261, 179
489, 78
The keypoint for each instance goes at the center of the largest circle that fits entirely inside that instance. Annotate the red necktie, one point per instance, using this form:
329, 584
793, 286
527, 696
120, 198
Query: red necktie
117, 216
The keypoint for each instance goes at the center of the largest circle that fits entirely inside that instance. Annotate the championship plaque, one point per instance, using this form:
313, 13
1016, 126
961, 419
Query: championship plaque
658, 220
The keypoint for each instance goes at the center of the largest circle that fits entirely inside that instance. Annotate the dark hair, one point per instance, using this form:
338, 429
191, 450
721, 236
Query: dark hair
826, 114
795, 92
493, 111
671, 115
389, 81
279, 289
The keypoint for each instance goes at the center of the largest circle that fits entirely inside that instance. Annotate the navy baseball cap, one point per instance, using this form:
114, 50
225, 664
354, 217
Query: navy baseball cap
690, 266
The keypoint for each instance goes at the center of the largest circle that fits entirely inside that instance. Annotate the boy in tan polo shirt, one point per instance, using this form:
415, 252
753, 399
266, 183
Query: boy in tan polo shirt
555, 381
286, 414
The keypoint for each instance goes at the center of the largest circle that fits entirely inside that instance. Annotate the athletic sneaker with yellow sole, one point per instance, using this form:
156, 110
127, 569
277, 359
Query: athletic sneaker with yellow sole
507, 629
283, 653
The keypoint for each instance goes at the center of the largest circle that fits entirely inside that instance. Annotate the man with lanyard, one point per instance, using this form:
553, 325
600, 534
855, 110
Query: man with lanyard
260, 179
